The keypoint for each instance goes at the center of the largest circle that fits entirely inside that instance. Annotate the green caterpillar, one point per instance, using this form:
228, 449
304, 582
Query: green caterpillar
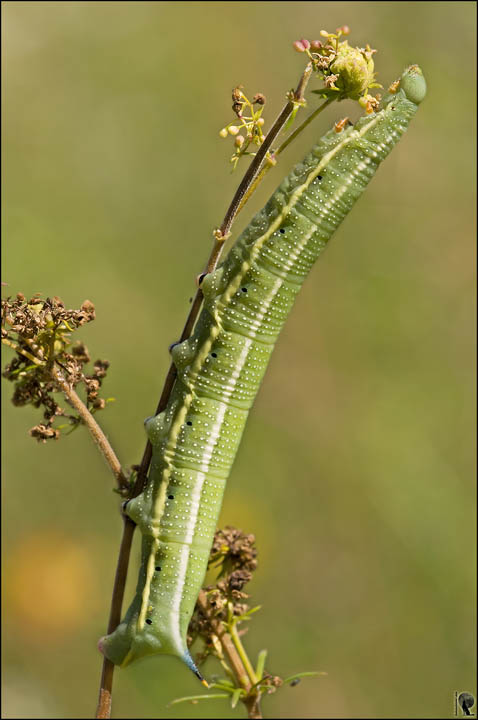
220, 367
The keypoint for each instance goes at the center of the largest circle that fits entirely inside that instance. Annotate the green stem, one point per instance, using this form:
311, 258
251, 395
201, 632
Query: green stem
303, 125
241, 652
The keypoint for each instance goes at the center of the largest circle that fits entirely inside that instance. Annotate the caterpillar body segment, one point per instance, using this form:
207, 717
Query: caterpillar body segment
220, 368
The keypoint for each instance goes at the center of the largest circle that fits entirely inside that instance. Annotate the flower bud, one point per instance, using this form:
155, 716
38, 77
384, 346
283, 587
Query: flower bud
305, 43
223, 132
354, 71
239, 141
233, 130
298, 46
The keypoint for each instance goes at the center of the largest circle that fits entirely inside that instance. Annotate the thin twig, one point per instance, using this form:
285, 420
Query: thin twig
22, 351
220, 236
303, 125
96, 432
104, 700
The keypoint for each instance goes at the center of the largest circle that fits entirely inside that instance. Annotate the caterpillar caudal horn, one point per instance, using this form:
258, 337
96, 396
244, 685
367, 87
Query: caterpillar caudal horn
220, 368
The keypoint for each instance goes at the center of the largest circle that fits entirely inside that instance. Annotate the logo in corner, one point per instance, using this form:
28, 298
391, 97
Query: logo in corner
464, 702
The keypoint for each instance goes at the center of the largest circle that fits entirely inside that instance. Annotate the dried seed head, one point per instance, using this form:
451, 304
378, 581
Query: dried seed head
259, 99
237, 94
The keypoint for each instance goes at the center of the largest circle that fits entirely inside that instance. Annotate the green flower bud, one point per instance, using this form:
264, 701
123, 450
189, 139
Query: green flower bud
354, 71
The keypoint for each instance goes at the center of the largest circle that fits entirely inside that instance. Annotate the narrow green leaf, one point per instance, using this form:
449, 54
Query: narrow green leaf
236, 696
303, 674
261, 661
195, 698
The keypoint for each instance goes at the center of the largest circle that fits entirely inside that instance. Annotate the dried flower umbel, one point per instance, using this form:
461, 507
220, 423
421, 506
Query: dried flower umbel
39, 331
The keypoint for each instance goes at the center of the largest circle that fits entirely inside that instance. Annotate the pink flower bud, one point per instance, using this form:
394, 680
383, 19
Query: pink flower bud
305, 43
298, 46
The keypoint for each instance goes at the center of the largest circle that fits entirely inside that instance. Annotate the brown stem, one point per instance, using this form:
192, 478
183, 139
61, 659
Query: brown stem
303, 125
104, 700
220, 237
253, 706
97, 433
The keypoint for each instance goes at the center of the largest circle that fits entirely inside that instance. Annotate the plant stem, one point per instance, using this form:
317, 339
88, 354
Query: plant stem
220, 237
20, 350
241, 652
96, 432
303, 125
104, 700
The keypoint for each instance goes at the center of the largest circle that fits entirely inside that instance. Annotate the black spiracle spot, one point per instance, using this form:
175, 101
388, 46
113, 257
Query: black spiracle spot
189, 423
171, 497
149, 621
158, 568
282, 230
319, 177
244, 289
214, 355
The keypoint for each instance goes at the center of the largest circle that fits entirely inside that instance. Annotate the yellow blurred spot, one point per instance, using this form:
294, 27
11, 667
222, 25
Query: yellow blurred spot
49, 585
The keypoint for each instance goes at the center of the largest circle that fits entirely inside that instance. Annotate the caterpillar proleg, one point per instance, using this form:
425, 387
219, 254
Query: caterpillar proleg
220, 368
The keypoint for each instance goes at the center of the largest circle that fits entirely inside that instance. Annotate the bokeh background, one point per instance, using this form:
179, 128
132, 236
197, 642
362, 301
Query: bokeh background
356, 470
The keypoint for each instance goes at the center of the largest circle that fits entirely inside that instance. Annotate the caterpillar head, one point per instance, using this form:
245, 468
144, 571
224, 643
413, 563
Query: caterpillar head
413, 84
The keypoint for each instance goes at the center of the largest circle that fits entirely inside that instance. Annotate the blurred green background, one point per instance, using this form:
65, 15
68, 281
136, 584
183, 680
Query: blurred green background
356, 471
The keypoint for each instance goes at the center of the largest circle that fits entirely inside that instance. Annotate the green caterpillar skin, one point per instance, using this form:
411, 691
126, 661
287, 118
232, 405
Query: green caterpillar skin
220, 368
